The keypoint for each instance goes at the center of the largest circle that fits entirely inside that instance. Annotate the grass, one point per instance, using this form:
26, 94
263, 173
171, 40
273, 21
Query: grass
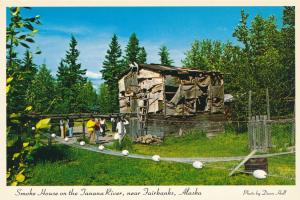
63, 165
81, 167
196, 144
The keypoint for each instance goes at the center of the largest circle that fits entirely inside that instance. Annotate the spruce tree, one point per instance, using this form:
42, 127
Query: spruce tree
75, 73
164, 56
132, 50
142, 56
111, 71
70, 79
42, 92
25, 70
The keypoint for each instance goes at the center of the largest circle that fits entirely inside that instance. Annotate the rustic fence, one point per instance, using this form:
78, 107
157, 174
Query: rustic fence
259, 133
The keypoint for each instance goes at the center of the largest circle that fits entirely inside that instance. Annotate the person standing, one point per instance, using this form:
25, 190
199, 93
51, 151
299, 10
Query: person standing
113, 124
97, 130
121, 128
91, 129
62, 128
102, 126
70, 122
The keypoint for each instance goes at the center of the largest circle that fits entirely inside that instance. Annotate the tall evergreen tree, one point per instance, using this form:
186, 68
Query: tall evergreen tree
25, 69
111, 71
70, 79
142, 56
165, 56
132, 50
86, 100
42, 92
104, 99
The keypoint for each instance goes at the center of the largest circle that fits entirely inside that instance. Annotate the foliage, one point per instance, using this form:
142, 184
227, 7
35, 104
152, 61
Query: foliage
70, 80
263, 58
87, 98
111, 72
142, 56
103, 99
51, 153
132, 50
42, 93
165, 56
204, 55
126, 143
20, 140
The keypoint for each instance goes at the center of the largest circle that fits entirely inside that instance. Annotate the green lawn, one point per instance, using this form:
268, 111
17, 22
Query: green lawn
63, 165
197, 145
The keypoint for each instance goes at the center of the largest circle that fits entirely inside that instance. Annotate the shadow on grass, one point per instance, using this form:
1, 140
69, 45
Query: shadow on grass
52, 154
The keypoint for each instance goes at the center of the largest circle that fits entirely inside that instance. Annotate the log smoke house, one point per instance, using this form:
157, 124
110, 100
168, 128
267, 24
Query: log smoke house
164, 100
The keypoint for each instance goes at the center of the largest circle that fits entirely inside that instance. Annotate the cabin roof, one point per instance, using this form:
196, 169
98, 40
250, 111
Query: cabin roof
170, 70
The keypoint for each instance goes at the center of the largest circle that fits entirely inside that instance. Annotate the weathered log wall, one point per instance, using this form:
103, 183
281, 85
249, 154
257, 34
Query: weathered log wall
211, 124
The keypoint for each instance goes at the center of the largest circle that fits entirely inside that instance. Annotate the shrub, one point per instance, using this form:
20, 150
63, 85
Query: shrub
126, 143
51, 153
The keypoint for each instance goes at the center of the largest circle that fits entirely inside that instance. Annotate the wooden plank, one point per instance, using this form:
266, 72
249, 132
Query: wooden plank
164, 93
243, 162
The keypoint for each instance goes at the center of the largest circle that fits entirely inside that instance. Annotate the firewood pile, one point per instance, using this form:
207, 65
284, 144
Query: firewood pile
148, 139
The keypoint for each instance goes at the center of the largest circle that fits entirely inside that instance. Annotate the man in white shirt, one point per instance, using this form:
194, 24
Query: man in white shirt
121, 128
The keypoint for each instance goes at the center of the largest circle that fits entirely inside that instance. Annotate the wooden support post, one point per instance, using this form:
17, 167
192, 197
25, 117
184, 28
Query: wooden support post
164, 93
83, 128
268, 103
249, 104
265, 133
243, 162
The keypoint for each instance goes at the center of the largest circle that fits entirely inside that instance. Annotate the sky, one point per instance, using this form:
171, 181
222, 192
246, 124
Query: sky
93, 27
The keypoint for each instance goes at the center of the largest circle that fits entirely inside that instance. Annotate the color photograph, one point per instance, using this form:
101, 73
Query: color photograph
141, 96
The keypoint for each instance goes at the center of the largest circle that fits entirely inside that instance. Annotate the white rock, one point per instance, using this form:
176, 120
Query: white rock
260, 174
125, 152
156, 158
66, 139
33, 128
198, 164
101, 147
116, 136
53, 135
82, 143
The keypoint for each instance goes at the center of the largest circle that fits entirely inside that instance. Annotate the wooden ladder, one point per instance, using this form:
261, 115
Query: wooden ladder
142, 114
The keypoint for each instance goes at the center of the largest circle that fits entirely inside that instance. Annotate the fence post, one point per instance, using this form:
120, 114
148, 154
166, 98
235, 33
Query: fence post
268, 103
265, 133
255, 132
293, 134
249, 104
83, 128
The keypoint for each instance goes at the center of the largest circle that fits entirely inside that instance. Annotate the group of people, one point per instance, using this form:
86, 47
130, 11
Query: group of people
97, 127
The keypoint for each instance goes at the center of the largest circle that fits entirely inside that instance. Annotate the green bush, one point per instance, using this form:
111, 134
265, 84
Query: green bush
126, 143
51, 154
